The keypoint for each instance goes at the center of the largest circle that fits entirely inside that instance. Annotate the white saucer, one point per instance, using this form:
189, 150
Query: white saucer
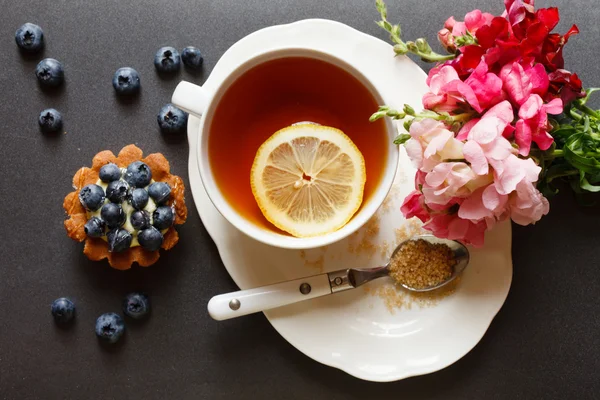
355, 331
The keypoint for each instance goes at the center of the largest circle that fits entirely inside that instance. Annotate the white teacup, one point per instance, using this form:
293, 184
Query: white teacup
197, 101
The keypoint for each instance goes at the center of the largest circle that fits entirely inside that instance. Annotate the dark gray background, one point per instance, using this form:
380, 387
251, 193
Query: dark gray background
544, 343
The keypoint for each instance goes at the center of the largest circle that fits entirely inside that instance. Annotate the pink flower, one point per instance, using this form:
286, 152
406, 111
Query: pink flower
512, 170
447, 92
448, 180
484, 204
512, 193
447, 40
527, 204
521, 81
485, 142
486, 86
473, 21
431, 143
533, 123
451, 226
442, 223
414, 206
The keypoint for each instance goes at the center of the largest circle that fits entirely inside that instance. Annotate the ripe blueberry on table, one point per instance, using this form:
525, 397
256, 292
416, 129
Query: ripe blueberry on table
192, 57
150, 238
50, 121
30, 38
171, 119
136, 305
126, 81
163, 217
110, 327
167, 60
113, 215
50, 72
63, 310
139, 198
138, 174
159, 192
110, 172
118, 240
91, 197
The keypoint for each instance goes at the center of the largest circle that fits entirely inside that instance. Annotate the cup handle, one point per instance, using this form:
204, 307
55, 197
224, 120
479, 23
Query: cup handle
190, 98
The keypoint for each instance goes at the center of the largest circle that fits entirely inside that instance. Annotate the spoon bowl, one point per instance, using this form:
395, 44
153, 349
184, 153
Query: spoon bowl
461, 256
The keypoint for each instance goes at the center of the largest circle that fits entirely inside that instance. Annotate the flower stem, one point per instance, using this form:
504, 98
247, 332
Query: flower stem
587, 110
573, 114
419, 47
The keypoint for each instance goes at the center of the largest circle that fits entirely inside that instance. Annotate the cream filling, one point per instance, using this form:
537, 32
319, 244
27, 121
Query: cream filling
128, 210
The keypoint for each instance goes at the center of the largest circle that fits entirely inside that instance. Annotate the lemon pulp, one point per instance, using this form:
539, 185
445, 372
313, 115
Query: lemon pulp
308, 179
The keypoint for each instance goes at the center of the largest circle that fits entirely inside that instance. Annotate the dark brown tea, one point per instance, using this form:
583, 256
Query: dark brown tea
277, 94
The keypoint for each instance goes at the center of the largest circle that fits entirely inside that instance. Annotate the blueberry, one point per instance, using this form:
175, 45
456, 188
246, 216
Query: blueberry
50, 121
136, 305
118, 240
171, 119
63, 310
110, 327
91, 197
126, 81
94, 227
30, 38
113, 215
192, 57
139, 198
163, 217
110, 172
150, 239
140, 220
116, 191
160, 192
167, 59
50, 72
138, 174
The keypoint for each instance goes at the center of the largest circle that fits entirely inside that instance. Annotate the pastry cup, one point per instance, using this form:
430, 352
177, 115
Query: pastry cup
96, 249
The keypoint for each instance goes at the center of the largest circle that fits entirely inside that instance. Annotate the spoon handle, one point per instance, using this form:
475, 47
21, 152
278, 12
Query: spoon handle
244, 302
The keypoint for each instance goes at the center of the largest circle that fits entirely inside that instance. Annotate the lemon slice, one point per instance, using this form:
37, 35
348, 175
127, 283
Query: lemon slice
308, 179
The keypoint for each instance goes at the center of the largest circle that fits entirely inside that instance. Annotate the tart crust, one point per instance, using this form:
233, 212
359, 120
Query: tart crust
97, 249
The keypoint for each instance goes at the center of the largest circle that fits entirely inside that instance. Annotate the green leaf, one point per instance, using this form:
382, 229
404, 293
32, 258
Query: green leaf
402, 138
585, 185
556, 171
577, 154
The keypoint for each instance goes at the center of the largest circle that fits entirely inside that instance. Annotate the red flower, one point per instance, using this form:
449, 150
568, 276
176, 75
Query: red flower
532, 30
565, 85
552, 49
